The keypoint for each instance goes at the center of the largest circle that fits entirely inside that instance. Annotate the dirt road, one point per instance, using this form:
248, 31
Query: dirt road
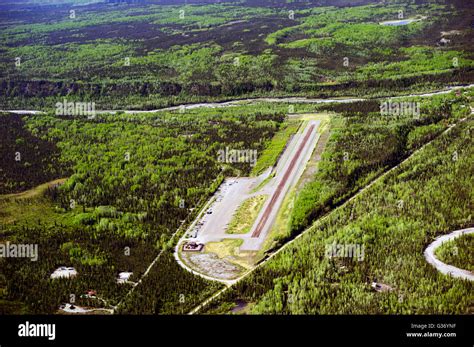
445, 268
247, 101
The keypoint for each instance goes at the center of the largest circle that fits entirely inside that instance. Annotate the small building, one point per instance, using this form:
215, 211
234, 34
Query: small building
123, 277
444, 41
64, 272
380, 287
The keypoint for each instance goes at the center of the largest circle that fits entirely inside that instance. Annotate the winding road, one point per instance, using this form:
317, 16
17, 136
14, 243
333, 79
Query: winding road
247, 101
445, 268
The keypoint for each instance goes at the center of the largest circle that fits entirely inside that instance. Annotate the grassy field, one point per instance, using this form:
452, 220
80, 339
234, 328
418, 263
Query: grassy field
35, 192
246, 215
32, 205
276, 146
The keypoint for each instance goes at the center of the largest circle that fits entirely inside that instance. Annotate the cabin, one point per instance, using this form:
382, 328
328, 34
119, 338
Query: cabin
123, 277
64, 272
380, 287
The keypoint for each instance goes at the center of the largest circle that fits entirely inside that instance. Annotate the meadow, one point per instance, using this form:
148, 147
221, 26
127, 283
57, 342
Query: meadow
143, 56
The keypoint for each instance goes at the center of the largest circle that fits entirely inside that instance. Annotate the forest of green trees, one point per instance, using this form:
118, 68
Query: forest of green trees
458, 252
149, 56
365, 143
113, 192
132, 181
393, 220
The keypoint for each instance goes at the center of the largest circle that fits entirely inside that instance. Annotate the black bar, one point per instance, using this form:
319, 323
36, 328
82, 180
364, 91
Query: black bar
189, 330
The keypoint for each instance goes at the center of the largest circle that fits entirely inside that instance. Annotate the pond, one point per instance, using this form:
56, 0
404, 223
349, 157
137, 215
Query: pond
398, 22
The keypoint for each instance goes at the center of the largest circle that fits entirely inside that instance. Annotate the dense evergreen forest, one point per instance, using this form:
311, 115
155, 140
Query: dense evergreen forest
25, 160
393, 220
365, 143
125, 197
458, 252
112, 192
146, 55
134, 181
